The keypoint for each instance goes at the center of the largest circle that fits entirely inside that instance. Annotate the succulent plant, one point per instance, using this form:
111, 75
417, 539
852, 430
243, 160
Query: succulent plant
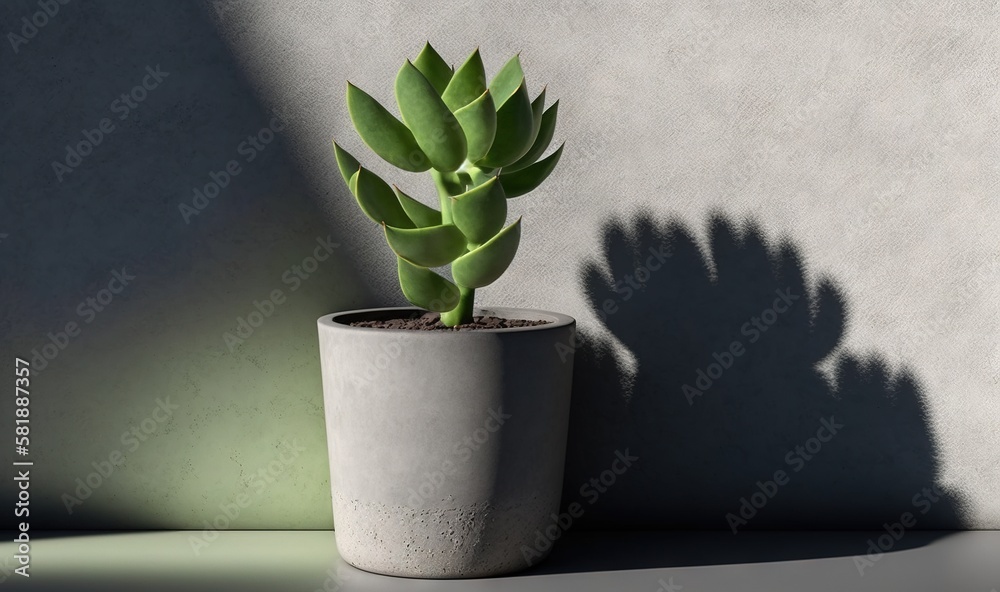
482, 144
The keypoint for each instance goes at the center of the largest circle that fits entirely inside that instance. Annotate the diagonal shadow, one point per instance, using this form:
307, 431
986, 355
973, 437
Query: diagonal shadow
120, 206
726, 392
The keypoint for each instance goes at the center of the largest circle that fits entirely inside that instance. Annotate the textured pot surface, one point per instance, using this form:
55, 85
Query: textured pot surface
446, 447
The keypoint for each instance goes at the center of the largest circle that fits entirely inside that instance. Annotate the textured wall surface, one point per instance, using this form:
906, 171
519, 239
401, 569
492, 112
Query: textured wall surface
146, 379
840, 153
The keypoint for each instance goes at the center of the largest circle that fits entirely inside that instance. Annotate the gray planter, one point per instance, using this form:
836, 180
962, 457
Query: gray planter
446, 448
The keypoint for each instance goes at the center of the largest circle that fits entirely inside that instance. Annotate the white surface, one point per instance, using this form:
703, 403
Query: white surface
307, 561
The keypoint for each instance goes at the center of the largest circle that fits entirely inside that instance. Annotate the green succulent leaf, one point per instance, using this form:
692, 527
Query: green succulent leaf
527, 179
383, 133
479, 122
468, 83
353, 183
434, 127
481, 211
514, 128
480, 176
433, 67
347, 164
448, 184
507, 80
425, 288
421, 215
483, 265
377, 199
427, 247
537, 110
546, 130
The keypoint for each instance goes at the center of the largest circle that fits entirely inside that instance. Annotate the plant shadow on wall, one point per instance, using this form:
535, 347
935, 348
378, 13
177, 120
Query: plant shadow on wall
731, 423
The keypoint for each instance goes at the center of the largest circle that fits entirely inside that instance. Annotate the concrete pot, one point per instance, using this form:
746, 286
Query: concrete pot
446, 448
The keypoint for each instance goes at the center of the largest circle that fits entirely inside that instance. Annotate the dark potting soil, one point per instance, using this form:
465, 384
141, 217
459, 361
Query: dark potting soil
431, 321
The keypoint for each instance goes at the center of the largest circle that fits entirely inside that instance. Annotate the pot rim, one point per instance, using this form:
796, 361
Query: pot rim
556, 320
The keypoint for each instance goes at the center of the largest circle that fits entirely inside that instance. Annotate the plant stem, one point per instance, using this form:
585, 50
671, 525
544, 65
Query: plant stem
448, 186
462, 313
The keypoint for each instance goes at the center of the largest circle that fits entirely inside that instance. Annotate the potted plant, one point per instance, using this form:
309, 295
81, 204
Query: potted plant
447, 424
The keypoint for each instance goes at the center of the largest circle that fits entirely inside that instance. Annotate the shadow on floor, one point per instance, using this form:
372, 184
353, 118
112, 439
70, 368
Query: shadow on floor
592, 551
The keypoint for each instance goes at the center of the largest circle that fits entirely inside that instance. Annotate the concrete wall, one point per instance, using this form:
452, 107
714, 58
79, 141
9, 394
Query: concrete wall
840, 152
214, 419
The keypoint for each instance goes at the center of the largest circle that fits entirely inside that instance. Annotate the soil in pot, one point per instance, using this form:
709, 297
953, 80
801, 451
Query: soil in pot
431, 321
